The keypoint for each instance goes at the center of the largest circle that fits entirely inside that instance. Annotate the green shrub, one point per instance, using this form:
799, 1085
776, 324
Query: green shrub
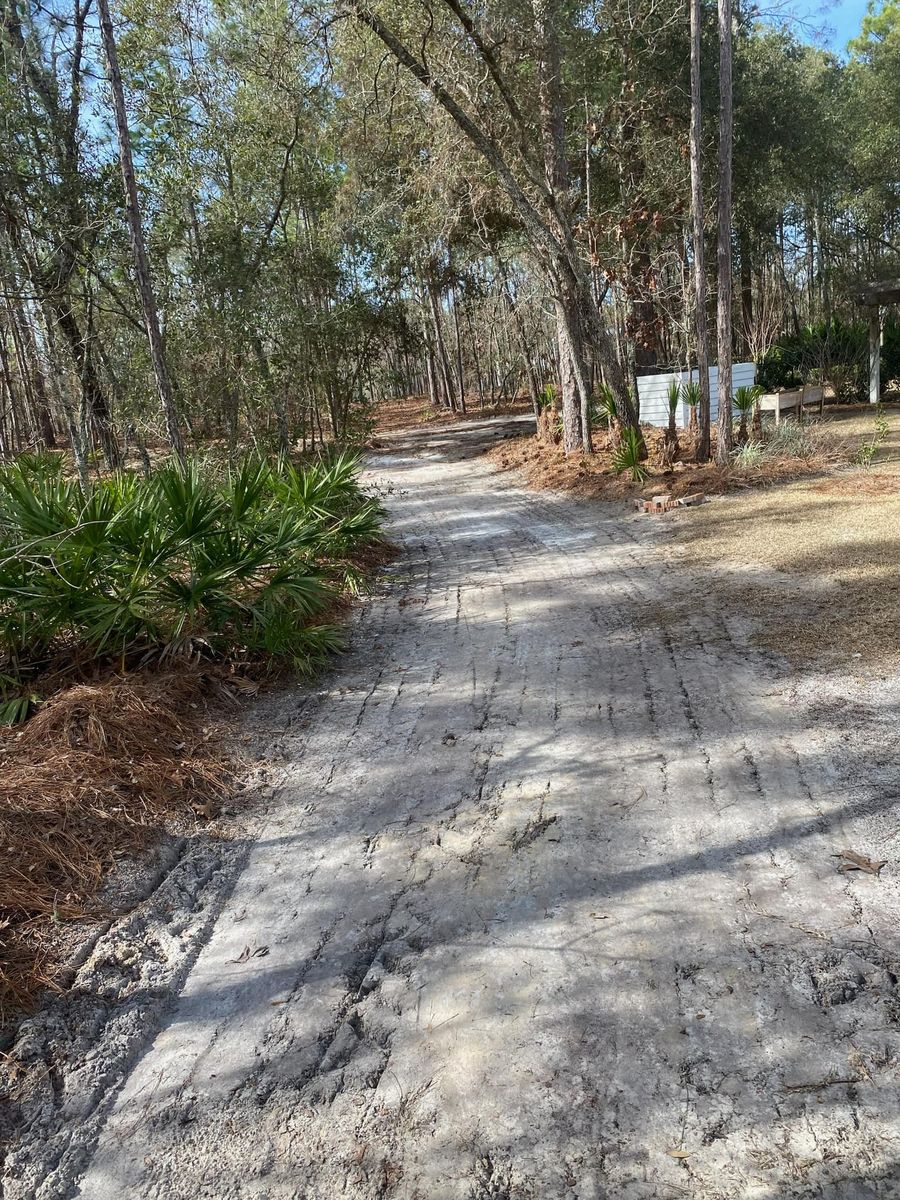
603, 407
546, 397
836, 352
868, 448
791, 439
192, 561
629, 455
749, 456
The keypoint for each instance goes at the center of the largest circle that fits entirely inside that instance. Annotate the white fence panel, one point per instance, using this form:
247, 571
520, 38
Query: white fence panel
653, 389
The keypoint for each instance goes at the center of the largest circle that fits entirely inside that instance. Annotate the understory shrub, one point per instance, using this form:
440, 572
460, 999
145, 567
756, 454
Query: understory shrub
195, 560
788, 440
628, 456
836, 352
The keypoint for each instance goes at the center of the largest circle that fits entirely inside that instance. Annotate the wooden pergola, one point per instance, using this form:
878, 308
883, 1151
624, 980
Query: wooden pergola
874, 296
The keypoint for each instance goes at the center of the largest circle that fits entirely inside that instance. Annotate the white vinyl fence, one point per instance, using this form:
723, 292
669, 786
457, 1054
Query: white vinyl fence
653, 389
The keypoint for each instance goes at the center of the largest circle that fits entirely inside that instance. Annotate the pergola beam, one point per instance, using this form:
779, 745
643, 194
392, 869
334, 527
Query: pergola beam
882, 291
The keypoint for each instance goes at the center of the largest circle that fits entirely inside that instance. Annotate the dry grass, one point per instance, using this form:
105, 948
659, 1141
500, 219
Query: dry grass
813, 565
99, 772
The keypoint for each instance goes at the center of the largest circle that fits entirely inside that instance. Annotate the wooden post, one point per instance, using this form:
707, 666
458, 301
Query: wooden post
874, 355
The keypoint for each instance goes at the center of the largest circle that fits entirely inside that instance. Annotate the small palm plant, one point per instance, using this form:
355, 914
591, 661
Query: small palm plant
604, 407
670, 444
745, 401
629, 455
604, 414
690, 394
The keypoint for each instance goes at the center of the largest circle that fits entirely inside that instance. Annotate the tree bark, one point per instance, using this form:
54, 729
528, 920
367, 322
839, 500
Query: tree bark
746, 289
723, 322
443, 358
138, 249
530, 373
574, 390
699, 244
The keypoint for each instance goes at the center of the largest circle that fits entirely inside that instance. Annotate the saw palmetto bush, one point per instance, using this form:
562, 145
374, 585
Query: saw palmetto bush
195, 560
628, 457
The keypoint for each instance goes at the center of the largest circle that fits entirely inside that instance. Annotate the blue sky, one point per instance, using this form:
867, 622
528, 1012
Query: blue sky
844, 20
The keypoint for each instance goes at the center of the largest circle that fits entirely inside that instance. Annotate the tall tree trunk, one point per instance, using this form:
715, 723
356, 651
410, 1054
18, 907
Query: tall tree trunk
443, 358
138, 249
545, 223
460, 369
572, 374
39, 382
723, 323
699, 244
275, 397
530, 373
93, 394
746, 290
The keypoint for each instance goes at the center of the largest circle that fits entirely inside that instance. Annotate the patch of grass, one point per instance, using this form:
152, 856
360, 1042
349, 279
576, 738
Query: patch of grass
749, 457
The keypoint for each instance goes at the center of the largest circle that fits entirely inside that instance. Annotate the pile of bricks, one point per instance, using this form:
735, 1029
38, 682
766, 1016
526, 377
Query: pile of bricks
661, 504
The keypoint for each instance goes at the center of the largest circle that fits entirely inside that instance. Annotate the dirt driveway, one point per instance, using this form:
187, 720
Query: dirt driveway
545, 904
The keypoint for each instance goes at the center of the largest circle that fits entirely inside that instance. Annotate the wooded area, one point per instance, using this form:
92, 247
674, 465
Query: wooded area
329, 204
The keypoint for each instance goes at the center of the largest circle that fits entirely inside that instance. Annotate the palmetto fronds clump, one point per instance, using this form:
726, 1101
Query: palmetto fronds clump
745, 401
628, 457
194, 560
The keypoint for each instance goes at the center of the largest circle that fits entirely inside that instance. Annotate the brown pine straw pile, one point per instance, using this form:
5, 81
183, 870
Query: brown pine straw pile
96, 774
543, 465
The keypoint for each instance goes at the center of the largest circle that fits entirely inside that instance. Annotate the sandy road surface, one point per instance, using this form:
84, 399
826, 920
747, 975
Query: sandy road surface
544, 904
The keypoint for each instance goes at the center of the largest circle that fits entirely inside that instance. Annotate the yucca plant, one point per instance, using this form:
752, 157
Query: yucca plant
189, 561
671, 448
691, 395
745, 400
628, 456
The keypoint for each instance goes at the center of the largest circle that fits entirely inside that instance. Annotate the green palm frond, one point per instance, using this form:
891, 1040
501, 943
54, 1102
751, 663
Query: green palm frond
193, 558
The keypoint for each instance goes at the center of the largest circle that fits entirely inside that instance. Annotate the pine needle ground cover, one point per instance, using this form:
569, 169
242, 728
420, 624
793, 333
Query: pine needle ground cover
545, 466
127, 614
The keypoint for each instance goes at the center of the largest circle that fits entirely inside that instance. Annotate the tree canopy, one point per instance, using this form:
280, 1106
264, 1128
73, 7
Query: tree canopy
345, 201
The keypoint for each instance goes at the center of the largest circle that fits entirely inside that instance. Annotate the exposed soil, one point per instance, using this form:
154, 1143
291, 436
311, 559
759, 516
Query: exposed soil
542, 898
409, 412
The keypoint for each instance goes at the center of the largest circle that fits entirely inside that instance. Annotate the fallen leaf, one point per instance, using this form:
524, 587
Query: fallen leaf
859, 862
679, 1153
250, 952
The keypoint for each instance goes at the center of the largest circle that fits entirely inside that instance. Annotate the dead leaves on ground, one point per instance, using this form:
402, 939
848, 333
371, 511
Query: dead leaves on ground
851, 861
249, 952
